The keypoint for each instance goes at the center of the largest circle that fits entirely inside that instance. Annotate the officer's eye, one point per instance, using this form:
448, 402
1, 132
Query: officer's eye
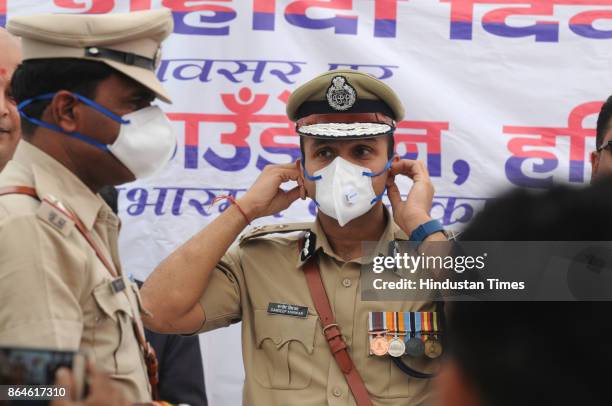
140, 103
9, 97
141, 100
324, 153
362, 151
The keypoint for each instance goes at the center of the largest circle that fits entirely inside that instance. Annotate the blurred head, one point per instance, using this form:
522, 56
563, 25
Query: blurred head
518, 353
601, 158
10, 57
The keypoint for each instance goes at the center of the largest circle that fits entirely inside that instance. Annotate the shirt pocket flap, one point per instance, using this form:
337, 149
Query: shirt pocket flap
110, 302
281, 329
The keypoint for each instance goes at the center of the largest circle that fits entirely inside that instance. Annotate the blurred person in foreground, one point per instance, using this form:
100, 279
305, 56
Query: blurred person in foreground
533, 353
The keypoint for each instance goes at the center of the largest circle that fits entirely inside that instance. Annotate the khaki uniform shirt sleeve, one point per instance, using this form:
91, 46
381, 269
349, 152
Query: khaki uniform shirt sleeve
40, 279
221, 299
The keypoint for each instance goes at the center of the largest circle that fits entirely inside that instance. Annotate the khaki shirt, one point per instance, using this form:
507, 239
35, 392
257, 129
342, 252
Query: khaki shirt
55, 292
287, 360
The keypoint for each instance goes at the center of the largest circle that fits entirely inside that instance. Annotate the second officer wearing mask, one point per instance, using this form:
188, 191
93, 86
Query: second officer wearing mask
271, 280
84, 91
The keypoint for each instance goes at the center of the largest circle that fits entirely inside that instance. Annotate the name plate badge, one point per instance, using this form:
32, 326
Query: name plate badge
287, 309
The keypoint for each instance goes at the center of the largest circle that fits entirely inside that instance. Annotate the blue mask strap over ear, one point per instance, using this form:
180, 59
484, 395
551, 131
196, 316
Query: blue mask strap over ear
385, 169
74, 134
309, 177
379, 197
373, 174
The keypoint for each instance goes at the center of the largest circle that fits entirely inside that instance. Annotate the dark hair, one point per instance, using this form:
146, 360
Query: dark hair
603, 121
536, 353
558, 214
390, 148
36, 77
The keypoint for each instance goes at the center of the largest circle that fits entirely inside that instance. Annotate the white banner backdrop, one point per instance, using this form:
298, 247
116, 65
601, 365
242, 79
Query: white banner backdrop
497, 94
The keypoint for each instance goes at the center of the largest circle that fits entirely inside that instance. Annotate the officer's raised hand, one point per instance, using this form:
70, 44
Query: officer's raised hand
266, 197
414, 210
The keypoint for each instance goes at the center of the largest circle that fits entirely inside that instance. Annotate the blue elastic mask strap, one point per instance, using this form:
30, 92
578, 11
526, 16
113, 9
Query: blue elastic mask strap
310, 177
373, 174
84, 138
385, 169
378, 197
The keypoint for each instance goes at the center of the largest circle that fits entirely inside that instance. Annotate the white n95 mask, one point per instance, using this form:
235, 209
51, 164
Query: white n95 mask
146, 143
344, 190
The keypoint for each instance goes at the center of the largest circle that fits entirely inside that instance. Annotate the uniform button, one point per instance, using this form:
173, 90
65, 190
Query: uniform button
346, 282
337, 392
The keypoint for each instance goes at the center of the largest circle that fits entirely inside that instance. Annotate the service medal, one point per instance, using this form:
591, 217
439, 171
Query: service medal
397, 348
415, 347
379, 346
433, 348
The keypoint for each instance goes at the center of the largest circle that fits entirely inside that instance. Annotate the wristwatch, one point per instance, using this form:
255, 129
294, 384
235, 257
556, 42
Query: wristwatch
425, 230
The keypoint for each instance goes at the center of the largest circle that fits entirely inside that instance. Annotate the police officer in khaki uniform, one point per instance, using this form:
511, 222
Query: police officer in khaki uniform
84, 92
346, 121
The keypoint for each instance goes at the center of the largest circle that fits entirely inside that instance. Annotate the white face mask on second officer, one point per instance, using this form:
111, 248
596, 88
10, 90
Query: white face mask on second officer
145, 142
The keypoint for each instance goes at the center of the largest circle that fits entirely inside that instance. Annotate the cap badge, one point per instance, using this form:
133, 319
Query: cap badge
341, 95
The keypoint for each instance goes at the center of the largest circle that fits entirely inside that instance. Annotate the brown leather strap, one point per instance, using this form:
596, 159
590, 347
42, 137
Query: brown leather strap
149, 353
92, 243
345, 118
332, 333
19, 190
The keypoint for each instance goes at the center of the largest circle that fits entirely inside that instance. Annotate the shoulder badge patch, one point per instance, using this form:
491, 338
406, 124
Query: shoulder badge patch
259, 231
55, 218
341, 95
310, 244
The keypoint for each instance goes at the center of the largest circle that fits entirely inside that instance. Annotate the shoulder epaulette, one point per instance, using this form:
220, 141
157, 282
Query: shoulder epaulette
53, 212
259, 231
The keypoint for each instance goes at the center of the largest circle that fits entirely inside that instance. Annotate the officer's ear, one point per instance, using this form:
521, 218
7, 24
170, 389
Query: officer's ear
300, 180
594, 165
63, 110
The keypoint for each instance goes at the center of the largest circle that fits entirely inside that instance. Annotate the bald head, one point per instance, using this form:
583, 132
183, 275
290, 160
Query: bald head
10, 50
10, 130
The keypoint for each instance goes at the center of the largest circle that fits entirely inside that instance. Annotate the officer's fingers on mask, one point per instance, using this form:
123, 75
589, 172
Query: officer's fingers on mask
285, 172
390, 180
394, 195
290, 165
421, 173
301, 187
403, 167
291, 195
289, 175
415, 170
